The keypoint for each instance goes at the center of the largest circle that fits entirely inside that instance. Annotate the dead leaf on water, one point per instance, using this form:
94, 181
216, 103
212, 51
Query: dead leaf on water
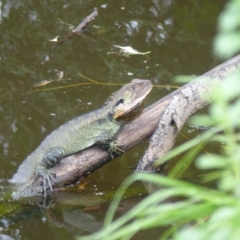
42, 83
60, 75
54, 39
127, 51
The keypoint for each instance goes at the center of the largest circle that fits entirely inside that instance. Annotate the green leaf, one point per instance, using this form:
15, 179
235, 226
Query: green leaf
212, 161
226, 45
183, 164
202, 120
188, 145
229, 21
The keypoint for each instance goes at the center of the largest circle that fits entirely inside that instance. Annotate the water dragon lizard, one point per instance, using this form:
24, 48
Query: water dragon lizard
94, 128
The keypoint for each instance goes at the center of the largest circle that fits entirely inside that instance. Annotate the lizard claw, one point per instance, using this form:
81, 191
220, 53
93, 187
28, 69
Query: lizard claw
114, 150
47, 184
47, 178
111, 147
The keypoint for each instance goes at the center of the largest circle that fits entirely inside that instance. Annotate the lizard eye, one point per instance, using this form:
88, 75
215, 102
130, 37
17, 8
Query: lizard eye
120, 101
133, 87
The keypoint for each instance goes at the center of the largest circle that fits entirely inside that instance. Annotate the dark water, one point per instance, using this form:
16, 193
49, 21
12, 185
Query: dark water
179, 35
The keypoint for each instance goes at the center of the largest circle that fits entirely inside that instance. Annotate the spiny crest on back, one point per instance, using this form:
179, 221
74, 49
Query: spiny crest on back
115, 96
110, 98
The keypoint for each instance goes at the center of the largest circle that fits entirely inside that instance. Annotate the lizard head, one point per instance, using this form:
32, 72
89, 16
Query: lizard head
127, 103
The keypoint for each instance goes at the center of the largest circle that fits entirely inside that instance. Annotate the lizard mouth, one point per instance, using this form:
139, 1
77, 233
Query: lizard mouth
130, 115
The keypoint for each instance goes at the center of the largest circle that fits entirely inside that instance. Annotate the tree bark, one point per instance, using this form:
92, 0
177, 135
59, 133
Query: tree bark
184, 102
167, 114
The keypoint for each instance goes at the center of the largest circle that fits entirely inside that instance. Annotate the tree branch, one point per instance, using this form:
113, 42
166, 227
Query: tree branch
183, 103
187, 100
81, 164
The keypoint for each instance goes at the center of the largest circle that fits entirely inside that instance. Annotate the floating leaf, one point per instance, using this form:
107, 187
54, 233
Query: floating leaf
42, 83
54, 39
60, 75
127, 51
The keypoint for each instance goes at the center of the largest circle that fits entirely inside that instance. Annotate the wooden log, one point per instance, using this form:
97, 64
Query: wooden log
180, 106
82, 164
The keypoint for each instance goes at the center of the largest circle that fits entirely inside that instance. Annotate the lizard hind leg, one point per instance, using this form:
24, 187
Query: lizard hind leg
49, 160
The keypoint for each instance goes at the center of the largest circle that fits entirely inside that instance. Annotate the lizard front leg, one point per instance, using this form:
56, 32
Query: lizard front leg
50, 159
111, 147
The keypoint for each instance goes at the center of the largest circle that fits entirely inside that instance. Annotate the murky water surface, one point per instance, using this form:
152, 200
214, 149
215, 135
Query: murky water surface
179, 35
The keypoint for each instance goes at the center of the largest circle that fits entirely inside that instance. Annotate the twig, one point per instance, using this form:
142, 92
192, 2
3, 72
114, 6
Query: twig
79, 29
95, 82
85, 22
